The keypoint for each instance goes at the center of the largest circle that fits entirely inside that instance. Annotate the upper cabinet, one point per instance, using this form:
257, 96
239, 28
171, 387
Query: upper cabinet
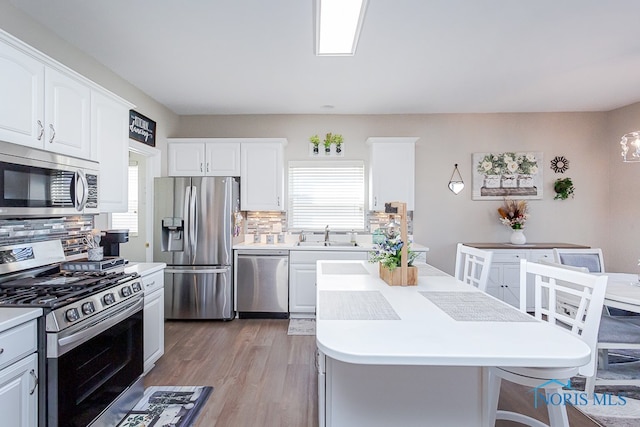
67, 111
391, 171
110, 134
22, 100
262, 175
48, 106
203, 157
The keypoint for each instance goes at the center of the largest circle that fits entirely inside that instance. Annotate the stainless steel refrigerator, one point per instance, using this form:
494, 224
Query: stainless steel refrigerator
193, 235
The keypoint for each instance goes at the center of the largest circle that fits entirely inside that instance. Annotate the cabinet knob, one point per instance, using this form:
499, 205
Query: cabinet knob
1, 350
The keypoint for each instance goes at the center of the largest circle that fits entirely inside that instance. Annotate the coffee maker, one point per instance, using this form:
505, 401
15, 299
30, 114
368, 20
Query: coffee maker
111, 240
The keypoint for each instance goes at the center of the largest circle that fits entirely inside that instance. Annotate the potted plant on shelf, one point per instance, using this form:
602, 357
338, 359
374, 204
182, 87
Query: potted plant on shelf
315, 140
328, 140
338, 140
563, 188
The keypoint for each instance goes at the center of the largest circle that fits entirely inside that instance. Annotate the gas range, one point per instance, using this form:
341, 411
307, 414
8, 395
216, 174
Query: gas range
70, 296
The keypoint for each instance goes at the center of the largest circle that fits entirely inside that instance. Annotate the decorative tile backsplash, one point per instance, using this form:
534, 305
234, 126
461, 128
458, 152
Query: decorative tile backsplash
276, 222
70, 230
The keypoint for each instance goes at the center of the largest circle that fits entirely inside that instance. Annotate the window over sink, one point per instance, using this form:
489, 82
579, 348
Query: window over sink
327, 192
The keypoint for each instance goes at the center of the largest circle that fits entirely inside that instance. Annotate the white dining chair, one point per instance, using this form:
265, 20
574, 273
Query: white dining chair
590, 259
615, 333
473, 266
552, 281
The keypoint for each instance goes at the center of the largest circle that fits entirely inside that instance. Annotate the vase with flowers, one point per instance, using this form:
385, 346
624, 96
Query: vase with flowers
514, 214
389, 254
315, 141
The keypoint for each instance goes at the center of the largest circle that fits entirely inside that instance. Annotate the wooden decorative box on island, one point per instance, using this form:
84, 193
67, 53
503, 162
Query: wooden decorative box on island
394, 278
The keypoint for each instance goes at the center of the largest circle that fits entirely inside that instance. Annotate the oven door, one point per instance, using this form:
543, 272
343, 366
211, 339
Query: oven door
89, 367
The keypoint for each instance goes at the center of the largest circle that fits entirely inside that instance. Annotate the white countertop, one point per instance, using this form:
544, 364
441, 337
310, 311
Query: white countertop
291, 246
425, 335
143, 268
14, 316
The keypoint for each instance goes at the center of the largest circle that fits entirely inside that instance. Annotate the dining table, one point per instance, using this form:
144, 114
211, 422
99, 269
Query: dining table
623, 291
418, 355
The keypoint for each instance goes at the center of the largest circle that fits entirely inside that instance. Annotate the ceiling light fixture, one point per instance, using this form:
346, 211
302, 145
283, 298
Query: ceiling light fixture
338, 24
630, 144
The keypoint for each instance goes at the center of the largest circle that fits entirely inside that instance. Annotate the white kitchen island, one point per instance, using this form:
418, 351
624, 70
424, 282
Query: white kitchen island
391, 355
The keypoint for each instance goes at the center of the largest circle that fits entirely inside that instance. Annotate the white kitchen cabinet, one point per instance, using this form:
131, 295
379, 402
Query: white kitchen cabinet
22, 100
48, 106
18, 393
204, 157
262, 175
67, 113
302, 277
19, 375
153, 315
110, 134
391, 171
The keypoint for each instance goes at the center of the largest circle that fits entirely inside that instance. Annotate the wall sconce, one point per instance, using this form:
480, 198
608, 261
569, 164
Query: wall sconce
630, 144
455, 183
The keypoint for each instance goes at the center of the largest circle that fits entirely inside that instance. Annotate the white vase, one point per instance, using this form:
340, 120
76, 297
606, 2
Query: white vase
518, 237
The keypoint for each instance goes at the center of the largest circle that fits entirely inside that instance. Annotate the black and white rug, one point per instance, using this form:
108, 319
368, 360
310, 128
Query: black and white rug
163, 406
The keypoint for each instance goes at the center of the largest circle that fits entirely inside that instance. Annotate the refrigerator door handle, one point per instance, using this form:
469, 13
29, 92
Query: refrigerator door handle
187, 219
197, 271
193, 220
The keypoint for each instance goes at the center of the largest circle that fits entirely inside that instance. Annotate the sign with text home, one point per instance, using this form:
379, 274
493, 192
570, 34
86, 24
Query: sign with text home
142, 128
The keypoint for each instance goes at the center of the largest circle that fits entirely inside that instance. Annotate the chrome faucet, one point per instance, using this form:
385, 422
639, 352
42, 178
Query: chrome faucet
302, 237
326, 233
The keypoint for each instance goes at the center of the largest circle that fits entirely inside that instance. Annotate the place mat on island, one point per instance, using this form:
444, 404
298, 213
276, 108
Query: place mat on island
429, 270
474, 307
355, 305
344, 268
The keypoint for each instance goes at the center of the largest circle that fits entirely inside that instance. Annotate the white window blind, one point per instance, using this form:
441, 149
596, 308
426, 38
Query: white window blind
129, 220
326, 193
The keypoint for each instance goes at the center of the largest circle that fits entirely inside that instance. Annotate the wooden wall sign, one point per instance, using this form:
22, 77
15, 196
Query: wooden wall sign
142, 128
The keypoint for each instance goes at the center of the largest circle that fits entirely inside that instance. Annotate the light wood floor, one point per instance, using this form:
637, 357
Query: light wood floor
263, 377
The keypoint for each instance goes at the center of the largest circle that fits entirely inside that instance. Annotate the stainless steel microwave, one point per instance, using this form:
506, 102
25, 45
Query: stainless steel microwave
40, 183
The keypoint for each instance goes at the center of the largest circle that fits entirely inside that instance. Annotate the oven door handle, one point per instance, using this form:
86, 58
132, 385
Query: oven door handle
95, 328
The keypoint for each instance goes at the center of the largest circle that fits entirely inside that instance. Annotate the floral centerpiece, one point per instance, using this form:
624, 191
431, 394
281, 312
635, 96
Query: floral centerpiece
388, 253
513, 213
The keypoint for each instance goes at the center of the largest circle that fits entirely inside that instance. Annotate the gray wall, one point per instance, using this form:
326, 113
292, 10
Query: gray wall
441, 219
602, 214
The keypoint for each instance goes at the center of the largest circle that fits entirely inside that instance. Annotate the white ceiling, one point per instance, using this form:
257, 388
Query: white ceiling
414, 56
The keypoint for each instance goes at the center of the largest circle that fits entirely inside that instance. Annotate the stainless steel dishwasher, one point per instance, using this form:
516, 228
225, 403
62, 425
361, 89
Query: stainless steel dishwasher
262, 283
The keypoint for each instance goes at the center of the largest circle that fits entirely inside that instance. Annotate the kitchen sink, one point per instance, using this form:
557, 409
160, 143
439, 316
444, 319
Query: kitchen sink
329, 243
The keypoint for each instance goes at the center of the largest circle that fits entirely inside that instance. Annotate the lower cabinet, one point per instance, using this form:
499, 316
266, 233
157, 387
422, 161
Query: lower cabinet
504, 278
19, 376
302, 277
19, 394
153, 333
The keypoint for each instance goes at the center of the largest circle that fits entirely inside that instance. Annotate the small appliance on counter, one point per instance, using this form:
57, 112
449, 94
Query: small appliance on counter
111, 241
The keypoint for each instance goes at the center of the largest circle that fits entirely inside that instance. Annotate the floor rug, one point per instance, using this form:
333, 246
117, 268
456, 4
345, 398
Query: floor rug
622, 412
302, 327
163, 406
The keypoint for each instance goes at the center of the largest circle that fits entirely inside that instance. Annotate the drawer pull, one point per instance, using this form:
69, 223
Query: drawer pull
35, 381
1, 350
151, 283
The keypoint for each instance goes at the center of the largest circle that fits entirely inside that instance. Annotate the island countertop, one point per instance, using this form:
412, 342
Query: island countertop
412, 330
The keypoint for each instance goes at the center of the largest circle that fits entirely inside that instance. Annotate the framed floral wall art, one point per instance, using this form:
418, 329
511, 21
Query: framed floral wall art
507, 174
